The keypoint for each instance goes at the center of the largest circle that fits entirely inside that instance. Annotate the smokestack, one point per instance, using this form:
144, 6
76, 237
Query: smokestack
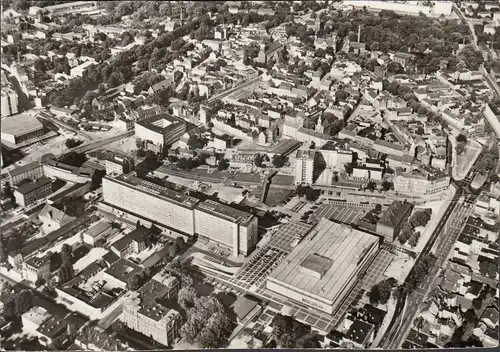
359, 34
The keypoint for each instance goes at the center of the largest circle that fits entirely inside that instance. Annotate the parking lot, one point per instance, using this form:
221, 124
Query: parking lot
339, 213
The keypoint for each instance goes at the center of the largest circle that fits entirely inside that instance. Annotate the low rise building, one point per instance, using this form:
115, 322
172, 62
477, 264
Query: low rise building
32, 170
20, 128
391, 221
134, 242
29, 193
35, 269
159, 131
53, 218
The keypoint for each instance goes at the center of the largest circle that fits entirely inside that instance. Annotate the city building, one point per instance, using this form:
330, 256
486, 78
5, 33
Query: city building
33, 318
230, 227
98, 232
20, 128
167, 207
29, 193
391, 221
32, 170
151, 314
304, 166
133, 242
71, 7
118, 164
35, 269
421, 181
492, 114
335, 157
53, 218
325, 266
159, 131
9, 102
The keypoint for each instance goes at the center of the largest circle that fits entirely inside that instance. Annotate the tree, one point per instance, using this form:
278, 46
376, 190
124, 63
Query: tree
66, 252
460, 148
3, 252
14, 242
207, 323
186, 297
371, 186
381, 292
387, 186
461, 138
348, 168
279, 160
194, 142
23, 302
313, 145
421, 217
73, 158
301, 191
133, 282
311, 194
258, 160
66, 272
223, 164
488, 268
71, 143
413, 240
9, 309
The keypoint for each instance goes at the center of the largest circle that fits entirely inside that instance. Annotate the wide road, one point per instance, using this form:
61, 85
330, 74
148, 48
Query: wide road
101, 143
400, 323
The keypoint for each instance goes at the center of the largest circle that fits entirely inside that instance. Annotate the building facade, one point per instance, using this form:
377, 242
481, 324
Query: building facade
227, 226
304, 166
33, 191
35, 269
146, 199
9, 102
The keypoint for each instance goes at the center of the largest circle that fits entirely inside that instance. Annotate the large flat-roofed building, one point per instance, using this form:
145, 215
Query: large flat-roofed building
151, 201
71, 7
325, 266
227, 226
20, 128
421, 181
9, 102
334, 157
304, 166
33, 191
160, 130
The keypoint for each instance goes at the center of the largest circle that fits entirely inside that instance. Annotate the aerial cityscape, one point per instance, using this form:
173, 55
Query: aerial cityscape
249, 174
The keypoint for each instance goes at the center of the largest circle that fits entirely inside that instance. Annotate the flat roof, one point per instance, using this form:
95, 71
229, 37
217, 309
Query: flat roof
21, 124
30, 187
156, 190
98, 228
224, 211
305, 153
340, 244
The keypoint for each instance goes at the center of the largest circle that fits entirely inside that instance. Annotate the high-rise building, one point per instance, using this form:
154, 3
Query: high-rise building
304, 166
9, 102
151, 201
230, 227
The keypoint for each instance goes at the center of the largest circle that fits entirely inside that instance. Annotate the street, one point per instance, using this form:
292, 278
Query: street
407, 306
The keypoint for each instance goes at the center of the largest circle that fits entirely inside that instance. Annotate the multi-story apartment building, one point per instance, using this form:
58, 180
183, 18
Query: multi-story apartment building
419, 182
31, 192
36, 268
118, 164
304, 166
227, 226
146, 199
151, 318
9, 102
32, 170
334, 157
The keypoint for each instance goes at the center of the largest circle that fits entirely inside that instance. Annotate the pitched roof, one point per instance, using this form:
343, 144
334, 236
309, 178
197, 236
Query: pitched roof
55, 214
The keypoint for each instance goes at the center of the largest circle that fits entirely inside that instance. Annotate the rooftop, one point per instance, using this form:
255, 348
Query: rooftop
20, 124
98, 228
332, 248
305, 154
123, 269
156, 190
30, 187
225, 211
25, 168
395, 213
52, 327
